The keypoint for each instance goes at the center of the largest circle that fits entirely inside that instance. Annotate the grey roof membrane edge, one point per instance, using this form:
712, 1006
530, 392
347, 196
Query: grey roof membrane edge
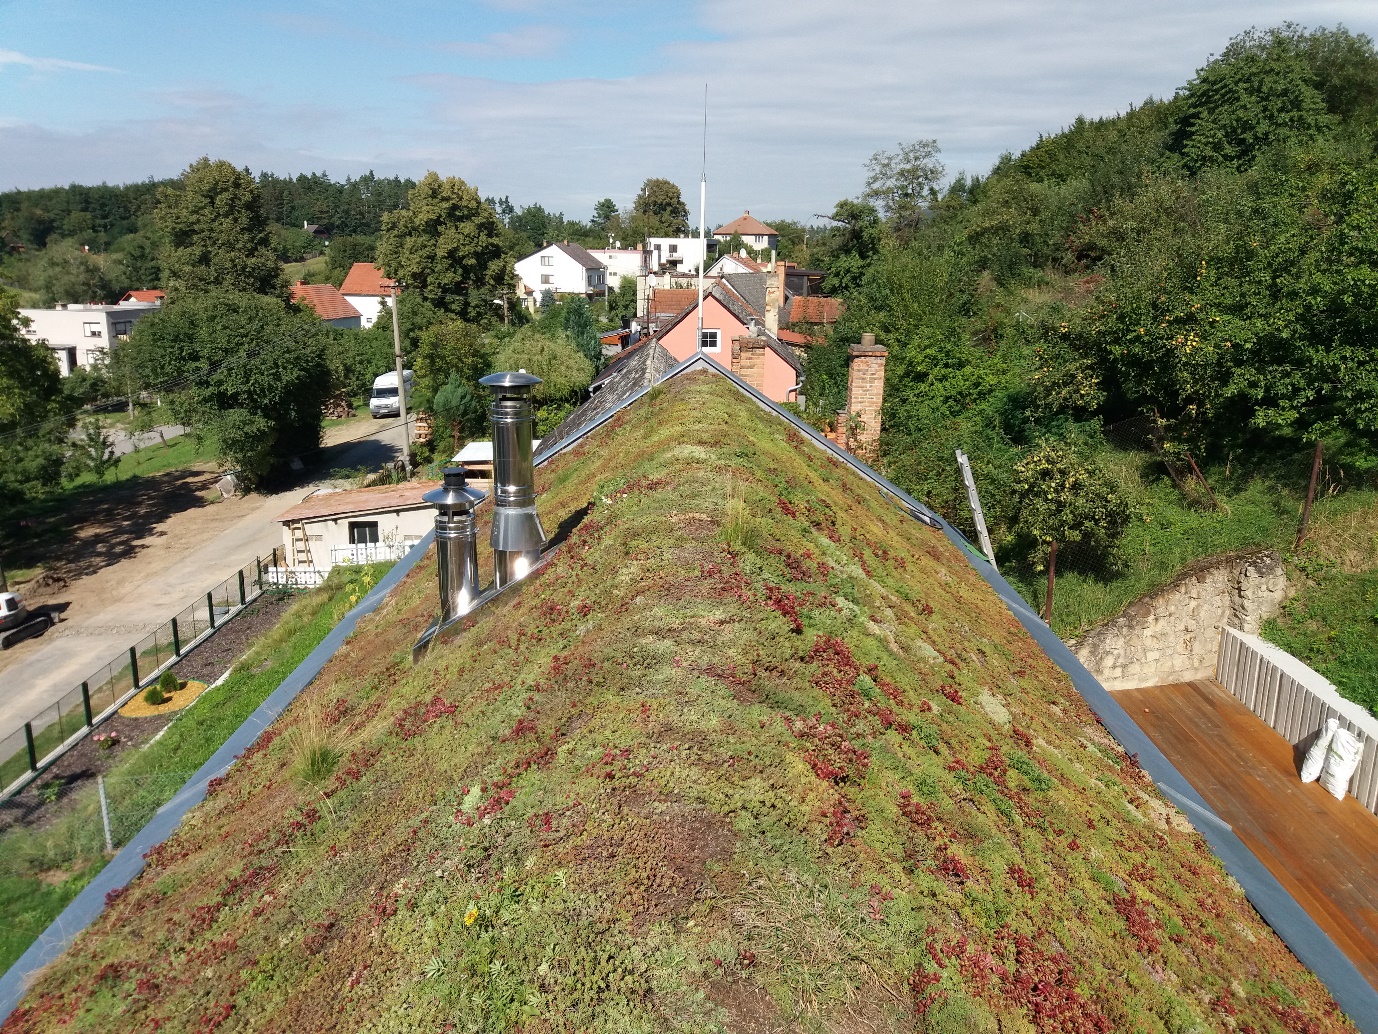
129, 862
1302, 935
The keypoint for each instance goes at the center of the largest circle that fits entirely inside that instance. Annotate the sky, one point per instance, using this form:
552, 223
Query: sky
563, 104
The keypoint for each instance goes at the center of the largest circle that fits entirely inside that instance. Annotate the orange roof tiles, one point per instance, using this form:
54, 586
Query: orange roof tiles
815, 309
748, 226
671, 301
359, 500
144, 296
328, 303
366, 278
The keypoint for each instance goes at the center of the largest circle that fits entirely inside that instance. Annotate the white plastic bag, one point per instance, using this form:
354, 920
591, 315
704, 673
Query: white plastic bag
1341, 760
1315, 757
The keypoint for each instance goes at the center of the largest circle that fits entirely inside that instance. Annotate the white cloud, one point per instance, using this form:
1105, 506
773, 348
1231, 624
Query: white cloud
529, 41
801, 93
48, 64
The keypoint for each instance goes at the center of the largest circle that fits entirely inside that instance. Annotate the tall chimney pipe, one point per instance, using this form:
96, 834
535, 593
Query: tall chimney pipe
455, 542
517, 533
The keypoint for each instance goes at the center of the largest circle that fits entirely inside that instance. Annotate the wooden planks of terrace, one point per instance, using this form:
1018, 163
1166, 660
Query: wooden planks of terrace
1324, 851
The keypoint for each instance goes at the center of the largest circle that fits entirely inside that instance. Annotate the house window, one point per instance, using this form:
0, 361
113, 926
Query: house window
122, 328
546, 278
708, 340
363, 533
547, 260
90, 330
674, 249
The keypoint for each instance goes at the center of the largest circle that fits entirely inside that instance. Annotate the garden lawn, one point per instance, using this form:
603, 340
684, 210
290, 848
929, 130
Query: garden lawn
1332, 625
43, 867
753, 750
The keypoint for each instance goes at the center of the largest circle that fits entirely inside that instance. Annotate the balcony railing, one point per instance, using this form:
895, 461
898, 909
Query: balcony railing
368, 553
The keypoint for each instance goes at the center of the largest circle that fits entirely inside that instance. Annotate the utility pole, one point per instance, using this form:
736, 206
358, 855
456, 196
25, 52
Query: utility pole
1310, 498
401, 379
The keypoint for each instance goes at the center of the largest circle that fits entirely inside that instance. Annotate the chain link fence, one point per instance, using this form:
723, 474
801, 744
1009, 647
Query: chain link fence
47, 735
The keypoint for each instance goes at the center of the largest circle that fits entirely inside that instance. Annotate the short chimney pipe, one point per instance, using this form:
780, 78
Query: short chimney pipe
517, 534
456, 543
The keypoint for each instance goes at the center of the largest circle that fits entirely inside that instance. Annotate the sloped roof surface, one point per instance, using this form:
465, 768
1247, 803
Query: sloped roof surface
327, 302
747, 225
150, 295
358, 500
580, 254
631, 371
366, 278
751, 751
815, 309
751, 288
671, 301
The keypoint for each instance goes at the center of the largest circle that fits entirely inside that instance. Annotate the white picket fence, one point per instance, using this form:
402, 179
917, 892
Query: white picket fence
1296, 701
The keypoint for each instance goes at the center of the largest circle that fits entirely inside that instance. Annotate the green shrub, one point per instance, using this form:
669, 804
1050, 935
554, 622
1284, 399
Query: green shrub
168, 683
153, 695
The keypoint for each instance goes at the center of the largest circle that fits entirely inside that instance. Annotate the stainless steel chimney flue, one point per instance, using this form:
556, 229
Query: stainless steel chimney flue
456, 542
517, 533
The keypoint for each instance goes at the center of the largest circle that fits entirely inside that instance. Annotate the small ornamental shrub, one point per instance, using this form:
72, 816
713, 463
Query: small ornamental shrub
168, 683
153, 695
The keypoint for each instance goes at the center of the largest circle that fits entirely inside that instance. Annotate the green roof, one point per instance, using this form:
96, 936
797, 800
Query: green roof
752, 751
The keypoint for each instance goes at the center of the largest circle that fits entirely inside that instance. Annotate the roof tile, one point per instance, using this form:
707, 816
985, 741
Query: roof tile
328, 303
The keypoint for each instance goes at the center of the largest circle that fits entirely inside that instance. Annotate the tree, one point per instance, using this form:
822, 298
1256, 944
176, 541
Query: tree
901, 182
447, 349
563, 369
134, 263
1258, 93
577, 323
92, 452
33, 419
65, 273
345, 251
458, 408
659, 210
852, 246
447, 246
1063, 498
216, 236
243, 370
604, 213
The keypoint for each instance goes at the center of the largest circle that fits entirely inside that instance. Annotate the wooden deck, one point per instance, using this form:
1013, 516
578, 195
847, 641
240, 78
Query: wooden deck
1324, 851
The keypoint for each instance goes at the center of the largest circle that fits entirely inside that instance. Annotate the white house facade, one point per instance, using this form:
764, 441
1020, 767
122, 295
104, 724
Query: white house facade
368, 290
561, 268
82, 335
620, 264
680, 254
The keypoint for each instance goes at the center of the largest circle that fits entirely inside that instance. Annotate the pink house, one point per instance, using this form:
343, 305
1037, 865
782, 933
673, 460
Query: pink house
775, 371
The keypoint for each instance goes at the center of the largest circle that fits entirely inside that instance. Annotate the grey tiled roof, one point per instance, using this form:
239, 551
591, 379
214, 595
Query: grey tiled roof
639, 368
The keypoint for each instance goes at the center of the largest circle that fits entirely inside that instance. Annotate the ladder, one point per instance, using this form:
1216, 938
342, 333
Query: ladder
301, 545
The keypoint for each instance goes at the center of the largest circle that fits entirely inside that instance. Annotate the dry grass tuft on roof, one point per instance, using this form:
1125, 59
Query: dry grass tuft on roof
818, 780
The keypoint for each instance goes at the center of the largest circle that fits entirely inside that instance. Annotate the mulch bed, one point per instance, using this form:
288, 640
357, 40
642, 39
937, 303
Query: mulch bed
87, 760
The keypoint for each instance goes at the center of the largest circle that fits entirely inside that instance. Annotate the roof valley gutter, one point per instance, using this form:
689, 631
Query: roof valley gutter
1307, 941
129, 862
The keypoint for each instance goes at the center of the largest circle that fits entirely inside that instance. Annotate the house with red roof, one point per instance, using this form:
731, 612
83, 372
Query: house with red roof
367, 289
327, 303
151, 297
751, 230
561, 268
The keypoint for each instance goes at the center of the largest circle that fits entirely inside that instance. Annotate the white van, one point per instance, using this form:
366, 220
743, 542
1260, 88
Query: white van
384, 400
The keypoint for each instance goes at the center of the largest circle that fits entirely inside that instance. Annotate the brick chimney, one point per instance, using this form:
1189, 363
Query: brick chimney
749, 360
775, 294
865, 393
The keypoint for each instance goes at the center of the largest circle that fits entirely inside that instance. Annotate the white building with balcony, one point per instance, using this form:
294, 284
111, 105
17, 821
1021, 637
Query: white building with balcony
83, 335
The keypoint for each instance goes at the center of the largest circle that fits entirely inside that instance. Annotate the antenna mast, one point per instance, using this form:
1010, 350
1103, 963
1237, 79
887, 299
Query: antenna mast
703, 218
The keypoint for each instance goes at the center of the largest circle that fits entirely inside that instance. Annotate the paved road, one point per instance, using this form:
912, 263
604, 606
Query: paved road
44, 670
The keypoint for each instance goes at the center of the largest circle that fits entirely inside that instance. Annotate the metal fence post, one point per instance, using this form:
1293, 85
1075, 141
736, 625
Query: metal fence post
134, 666
176, 640
210, 607
86, 703
105, 814
258, 566
33, 754
242, 598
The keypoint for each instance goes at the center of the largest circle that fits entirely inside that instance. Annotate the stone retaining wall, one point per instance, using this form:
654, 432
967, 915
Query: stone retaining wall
1173, 634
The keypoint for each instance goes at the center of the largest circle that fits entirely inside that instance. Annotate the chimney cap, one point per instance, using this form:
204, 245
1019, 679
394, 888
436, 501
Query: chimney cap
868, 346
517, 382
455, 494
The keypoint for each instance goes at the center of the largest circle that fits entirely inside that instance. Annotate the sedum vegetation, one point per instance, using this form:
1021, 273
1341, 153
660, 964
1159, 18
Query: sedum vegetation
753, 751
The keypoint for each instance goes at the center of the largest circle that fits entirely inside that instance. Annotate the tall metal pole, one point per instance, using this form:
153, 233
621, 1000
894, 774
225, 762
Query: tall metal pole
401, 380
703, 217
